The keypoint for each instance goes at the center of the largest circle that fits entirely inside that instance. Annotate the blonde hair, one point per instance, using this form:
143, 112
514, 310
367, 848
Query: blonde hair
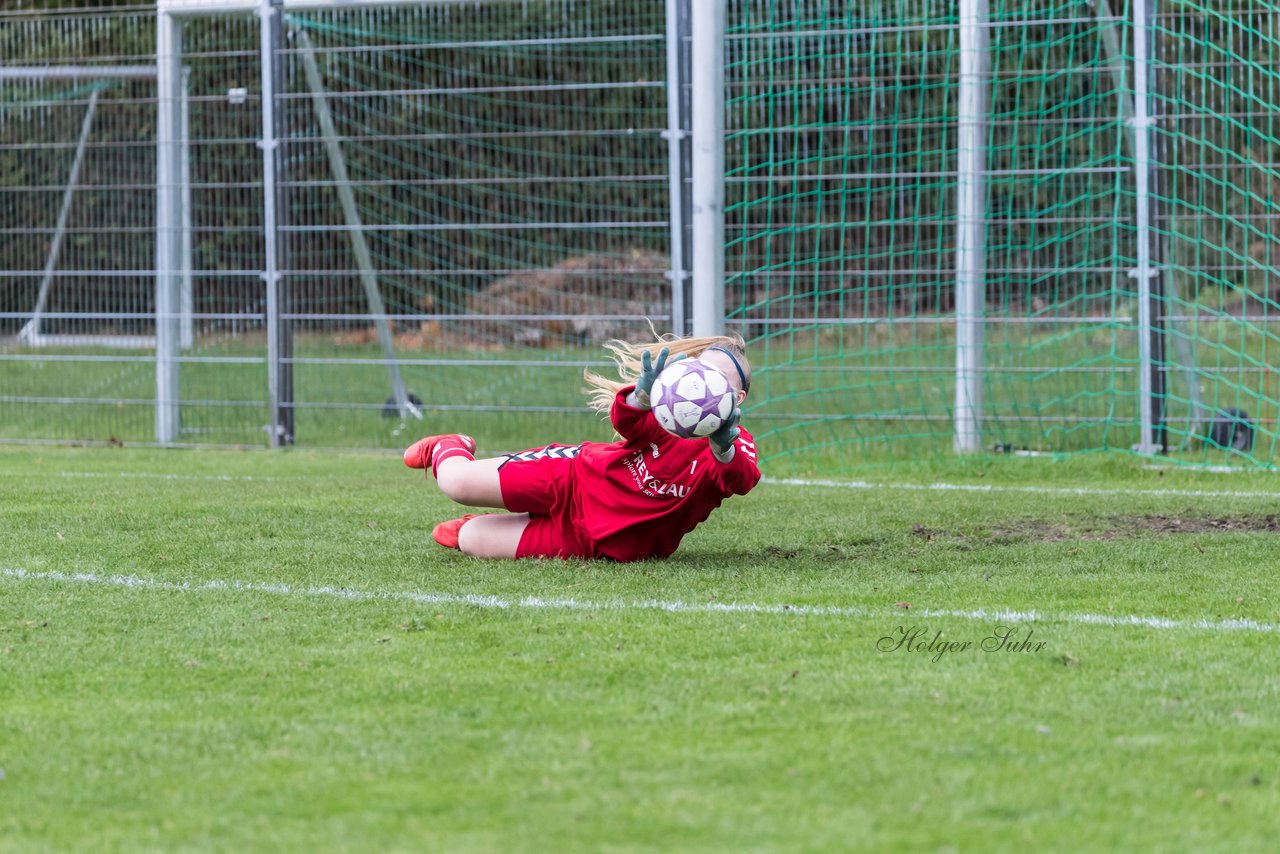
601, 390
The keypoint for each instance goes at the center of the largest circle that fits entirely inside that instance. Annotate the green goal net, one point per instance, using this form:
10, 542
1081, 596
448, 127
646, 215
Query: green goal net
842, 186
1218, 141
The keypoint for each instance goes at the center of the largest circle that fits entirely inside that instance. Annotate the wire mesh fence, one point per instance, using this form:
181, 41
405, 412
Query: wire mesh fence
474, 195
500, 189
77, 239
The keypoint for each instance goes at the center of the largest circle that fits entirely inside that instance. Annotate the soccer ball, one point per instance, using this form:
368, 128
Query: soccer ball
691, 399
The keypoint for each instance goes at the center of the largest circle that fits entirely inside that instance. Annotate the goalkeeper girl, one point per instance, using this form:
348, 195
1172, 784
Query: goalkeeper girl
626, 500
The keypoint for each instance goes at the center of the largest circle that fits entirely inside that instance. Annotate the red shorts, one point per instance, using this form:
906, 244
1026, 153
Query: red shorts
538, 482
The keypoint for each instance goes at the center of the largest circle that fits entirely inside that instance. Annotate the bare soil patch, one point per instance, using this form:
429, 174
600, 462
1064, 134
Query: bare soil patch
1193, 524
1132, 526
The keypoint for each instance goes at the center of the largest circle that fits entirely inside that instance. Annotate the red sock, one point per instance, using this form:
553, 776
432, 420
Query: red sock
447, 448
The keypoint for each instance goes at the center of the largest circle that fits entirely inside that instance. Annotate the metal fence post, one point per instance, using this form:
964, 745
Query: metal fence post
187, 251
707, 72
279, 339
971, 225
679, 159
168, 223
1142, 190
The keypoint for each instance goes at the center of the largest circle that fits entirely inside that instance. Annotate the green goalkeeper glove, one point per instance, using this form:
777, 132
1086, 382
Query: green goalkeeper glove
649, 370
722, 440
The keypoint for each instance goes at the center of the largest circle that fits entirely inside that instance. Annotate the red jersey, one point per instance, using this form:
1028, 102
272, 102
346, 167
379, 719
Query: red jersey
638, 497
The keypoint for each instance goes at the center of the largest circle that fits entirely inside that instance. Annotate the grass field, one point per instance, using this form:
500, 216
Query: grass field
217, 650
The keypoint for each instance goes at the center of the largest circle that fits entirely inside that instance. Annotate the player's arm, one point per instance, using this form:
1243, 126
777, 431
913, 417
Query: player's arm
649, 370
722, 439
736, 453
632, 422
631, 415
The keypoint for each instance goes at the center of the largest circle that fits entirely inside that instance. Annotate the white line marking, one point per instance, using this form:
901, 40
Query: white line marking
534, 602
1038, 490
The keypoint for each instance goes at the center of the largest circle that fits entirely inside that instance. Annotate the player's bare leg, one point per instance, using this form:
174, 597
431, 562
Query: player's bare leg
449, 457
473, 483
497, 535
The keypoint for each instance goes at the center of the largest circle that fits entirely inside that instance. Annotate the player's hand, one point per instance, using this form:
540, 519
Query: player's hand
722, 440
649, 370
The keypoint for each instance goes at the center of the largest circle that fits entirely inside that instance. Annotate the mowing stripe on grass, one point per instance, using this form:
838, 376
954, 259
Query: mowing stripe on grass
538, 603
788, 481
1037, 490
147, 475
796, 482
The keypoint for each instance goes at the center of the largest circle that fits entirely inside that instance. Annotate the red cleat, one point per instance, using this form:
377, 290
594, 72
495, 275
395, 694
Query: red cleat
418, 455
446, 533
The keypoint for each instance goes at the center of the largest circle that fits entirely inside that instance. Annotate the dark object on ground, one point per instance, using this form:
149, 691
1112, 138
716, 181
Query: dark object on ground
389, 410
1232, 430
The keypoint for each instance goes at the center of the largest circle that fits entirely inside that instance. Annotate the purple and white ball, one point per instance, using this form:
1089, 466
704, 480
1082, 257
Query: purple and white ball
691, 399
